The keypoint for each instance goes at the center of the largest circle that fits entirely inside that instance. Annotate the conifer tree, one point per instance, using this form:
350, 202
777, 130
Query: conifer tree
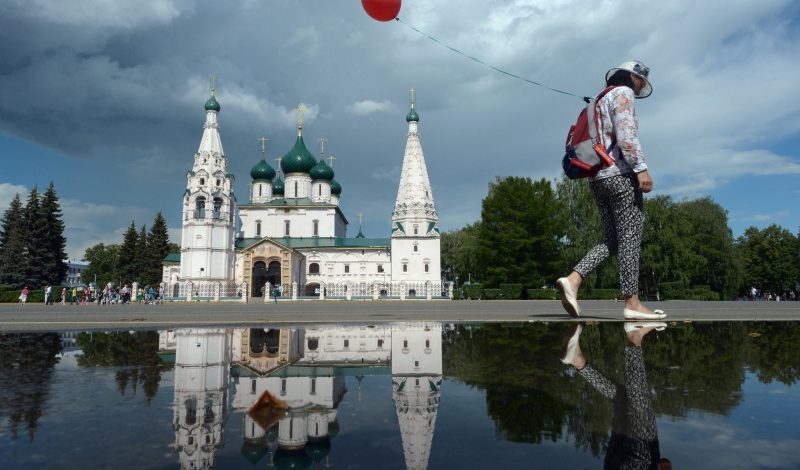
157, 249
141, 256
35, 240
54, 269
127, 269
13, 249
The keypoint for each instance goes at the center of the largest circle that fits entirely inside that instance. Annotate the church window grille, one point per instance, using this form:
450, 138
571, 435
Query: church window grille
405, 343
380, 268
253, 386
417, 382
427, 343
286, 228
259, 190
314, 390
380, 343
295, 189
218, 182
346, 343
315, 228
416, 248
416, 363
313, 344
258, 228
319, 190
202, 181
346, 268
405, 268
313, 268
217, 207
416, 229
283, 386
427, 268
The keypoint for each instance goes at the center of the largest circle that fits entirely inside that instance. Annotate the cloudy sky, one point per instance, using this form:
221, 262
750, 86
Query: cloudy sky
106, 98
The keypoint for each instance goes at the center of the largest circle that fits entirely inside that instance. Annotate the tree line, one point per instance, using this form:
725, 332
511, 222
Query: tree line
533, 232
139, 258
32, 242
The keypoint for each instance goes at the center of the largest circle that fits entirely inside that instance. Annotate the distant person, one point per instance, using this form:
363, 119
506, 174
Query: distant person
618, 190
74, 299
23, 295
48, 295
634, 436
63, 296
151, 295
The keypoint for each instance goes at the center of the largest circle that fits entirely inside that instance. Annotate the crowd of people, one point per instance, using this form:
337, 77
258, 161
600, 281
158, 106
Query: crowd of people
108, 295
758, 295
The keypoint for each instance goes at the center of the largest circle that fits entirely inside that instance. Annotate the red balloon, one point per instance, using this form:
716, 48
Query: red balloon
382, 10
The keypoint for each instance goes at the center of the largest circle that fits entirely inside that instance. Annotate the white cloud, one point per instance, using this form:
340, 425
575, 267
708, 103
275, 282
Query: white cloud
367, 107
7, 193
104, 13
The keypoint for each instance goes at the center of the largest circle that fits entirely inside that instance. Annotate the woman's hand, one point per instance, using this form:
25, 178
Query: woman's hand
645, 182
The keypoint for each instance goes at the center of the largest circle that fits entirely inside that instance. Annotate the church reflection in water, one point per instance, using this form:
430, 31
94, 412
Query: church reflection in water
286, 384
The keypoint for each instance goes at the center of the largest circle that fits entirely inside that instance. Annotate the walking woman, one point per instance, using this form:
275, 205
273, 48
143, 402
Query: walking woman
618, 190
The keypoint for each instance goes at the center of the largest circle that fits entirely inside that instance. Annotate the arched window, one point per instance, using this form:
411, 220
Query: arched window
416, 247
258, 228
313, 268
315, 228
427, 268
416, 229
200, 208
286, 227
295, 189
319, 189
405, 268
313, 344
259, 190
218, 182
202, 181
217, 207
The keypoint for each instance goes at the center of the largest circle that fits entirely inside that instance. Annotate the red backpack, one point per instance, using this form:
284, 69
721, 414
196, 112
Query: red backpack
585, 154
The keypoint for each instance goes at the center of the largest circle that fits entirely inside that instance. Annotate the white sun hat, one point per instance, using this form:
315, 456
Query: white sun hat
640, 70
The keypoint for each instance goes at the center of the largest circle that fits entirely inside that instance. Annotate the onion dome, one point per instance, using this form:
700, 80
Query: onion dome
212, 105
254, 451
291, 459
412, 115
318, 449
321, 171
336, 188
298, 159
262, 171
277, 187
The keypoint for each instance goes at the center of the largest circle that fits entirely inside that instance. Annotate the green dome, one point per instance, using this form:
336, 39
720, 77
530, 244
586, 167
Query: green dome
412, 116
277, 187
254, 451
321, 171
262, 171
212, 105
298, 159
336, 188
291, 459
318, 449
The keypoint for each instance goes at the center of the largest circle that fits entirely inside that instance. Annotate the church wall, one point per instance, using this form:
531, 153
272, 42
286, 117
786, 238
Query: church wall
363, 265
417, 349
428, 251
301, 222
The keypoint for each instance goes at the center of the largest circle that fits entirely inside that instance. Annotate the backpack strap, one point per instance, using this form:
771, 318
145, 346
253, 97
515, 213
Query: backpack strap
591, 115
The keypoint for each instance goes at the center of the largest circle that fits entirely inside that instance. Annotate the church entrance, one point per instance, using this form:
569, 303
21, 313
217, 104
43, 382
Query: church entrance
259, 278
274, 273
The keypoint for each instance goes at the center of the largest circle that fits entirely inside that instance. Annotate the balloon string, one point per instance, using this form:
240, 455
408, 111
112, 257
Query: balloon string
484, 63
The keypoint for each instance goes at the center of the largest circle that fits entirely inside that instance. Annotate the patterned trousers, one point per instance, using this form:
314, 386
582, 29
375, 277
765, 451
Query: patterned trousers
622, 212
634, 437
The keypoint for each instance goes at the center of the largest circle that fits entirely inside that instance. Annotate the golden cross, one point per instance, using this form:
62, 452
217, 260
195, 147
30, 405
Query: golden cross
263, 141
412, 97
331, 158
213, 81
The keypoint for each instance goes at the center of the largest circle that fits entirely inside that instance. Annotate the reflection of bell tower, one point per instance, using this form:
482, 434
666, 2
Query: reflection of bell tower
202, 362
416, 384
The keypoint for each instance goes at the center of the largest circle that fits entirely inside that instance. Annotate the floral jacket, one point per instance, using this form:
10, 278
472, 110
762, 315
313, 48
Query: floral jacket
618, 117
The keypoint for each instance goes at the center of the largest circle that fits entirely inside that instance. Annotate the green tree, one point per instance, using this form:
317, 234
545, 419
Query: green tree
128, 267
13, 245
36, 231
103, 261
769, 257
142, 260
459, 251
54, 244
520, 232
157, 249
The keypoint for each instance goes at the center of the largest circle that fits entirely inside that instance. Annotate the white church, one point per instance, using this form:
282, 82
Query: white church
290, 238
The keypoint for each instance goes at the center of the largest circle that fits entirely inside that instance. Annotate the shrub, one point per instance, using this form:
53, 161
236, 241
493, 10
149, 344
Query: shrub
511, 291
472, 291
492, 294
702, 292
672, 290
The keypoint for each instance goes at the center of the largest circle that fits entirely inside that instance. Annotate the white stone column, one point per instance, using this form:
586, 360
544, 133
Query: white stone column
321, 291
376, 289
267, 292
428, 293
244, 292
134, 291
294, 291
216, 292
189, 291
349, 294
450, 290
402, 291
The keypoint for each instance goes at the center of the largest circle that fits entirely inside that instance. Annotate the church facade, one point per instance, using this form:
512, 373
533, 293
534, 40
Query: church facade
289, 239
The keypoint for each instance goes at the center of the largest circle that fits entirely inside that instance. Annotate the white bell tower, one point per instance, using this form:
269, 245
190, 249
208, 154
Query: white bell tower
207, 241
415, 232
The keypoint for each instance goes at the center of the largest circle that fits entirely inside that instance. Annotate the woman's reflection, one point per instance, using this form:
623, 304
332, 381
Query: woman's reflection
634, 438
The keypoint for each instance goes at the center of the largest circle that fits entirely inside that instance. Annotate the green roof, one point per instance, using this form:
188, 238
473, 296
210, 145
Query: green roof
321, 171
298, 159
212, 105
319, 242
336, 188
174, 257
262, 171
277, 187
292, 202
412, 116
